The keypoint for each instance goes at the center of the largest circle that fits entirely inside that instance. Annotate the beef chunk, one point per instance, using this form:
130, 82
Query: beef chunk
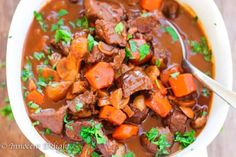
118, 59
96, 56
176, 122
51, 119
60, 47
106, 32
152, 148
139, 116
144, 24
83, 105
73, 129
109, 11
170, 9
133, 81
109, 148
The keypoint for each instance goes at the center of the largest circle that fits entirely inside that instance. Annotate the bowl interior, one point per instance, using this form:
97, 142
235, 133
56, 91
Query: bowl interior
215, 31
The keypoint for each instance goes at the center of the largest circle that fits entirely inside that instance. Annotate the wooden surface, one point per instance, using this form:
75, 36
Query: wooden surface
223, 146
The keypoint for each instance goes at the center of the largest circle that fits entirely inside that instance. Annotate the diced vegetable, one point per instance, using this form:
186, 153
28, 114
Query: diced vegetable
35, 97
101, 75
112, 114
67, 68
166, 73
49, 74
125, 131
152, 72
117, 99
78, 87
159, 104
139, 102
151, 4
57, 90
79, 47
183, 85
31, 85
187, 111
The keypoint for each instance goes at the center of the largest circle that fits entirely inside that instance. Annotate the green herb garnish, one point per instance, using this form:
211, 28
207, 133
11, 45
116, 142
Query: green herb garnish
205, 92
95, 154
185, 139
62, 12
58, 25
128, 54
91, 42
35, 123
63, 35
172, 33
33, 105
158, 63
119, 28
204, 113
129, 154
73, 149
129, 36
72, 24
39, 18
175, 74
38, 55
152, 134
93, 132
82, 22
47, 131
27, 73
144, 51
68, 122
78, 106
133, 46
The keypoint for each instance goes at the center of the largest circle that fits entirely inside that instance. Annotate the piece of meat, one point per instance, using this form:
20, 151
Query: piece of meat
105, 30
133, 81
170, 9
51, 119
176, 122
139, 116
118, 59
96, 56
166, 131
109, 11
86, 103
61, 48
74, 1
109, 148
150, 147
73, 129
144, 24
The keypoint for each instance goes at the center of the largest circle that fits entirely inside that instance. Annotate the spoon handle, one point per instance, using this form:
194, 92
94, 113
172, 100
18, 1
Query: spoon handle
225, 94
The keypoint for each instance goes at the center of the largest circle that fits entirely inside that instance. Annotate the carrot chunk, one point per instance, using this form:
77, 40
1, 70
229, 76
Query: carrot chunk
183, 85
31, 85
50, 74
125, 131
151, 4
159, 104
112, 114
36, 97
101, 75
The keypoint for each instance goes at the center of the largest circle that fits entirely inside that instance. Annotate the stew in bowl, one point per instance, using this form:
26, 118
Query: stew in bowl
105, 77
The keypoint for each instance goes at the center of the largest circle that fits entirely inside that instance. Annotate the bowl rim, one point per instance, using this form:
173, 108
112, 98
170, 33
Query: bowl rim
14, 80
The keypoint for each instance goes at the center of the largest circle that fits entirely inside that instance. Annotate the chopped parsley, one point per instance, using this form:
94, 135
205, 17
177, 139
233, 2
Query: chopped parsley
205, 92
73, 149
95, 154
144, 51
145, 14
91, 42
41, 82
6, 111
62, 12
68, 122
119, 28
72, 24
35, 123
27, 73
33, 105
47, 131
129, 154
93, 132
185, 139
38, 55
133, 45
175, 74
57, 25
78, 106
161, 142
82, 22
63, 35
204, 113
201, 48
128, 54
129, 36
39, 18
158, 63
172, 33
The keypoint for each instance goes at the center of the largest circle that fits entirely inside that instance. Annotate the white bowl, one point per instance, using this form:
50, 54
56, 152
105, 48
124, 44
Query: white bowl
215, 30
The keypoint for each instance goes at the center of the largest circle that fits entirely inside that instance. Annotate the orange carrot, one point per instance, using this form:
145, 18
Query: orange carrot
86, 151
31, 85
79, 47
112, 114
151, 4
159, 104
78, 87
183, 85
165, 74
57, 90
48, 73
36, 97
101, 75
125, 131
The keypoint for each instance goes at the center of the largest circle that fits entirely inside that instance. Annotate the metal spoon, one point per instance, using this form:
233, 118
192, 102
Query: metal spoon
227, 95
